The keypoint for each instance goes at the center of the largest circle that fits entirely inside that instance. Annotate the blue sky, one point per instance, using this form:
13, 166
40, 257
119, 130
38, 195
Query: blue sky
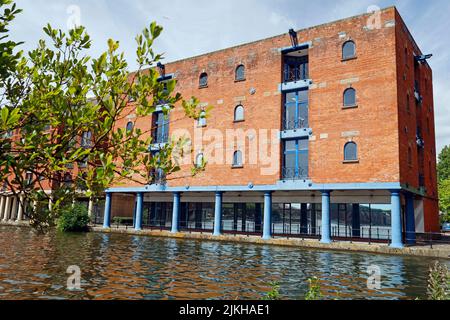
195, 27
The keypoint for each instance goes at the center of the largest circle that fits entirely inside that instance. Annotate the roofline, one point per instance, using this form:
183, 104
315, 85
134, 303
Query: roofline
277, 36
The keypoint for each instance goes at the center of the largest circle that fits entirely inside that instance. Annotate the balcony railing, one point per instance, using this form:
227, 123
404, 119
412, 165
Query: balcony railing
295, 173
160, 138
295, 74
290, 124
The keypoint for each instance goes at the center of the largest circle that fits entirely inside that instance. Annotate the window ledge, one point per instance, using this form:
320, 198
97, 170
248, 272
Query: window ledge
349, 59
239, 80
203, 87
238, 121
350, 161
201, 126
237, 167
350, 107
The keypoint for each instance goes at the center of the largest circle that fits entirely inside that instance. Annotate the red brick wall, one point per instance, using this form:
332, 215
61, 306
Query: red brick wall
417, 115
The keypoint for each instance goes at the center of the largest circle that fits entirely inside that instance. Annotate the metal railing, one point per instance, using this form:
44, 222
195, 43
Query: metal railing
152, 224
294, 173
296, 230
197, 226
295, 74
248, 228
295, 124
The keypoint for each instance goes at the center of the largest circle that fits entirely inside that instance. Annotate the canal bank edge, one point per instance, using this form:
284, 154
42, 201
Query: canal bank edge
438, 251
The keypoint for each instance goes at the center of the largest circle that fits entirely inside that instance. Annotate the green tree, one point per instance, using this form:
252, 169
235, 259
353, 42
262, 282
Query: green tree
60, 109
444, 183
444, 199
444, 164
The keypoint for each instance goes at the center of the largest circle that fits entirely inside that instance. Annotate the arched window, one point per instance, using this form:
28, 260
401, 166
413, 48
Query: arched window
237, 159
199, 160
239, 113
203, 82
351, 152
202, 119
350, 97
348, 50
130, 126
240, 73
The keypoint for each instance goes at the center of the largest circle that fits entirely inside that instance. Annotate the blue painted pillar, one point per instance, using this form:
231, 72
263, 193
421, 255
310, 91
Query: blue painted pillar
218, 215
410, 220
267, 222
107, 214
176, 213
326, 218
139, 207
396, 220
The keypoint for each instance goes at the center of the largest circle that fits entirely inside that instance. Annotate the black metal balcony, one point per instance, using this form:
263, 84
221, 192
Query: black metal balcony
295, 173
295, 74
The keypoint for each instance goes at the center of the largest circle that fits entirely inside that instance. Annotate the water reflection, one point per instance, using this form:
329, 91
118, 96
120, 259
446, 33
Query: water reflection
130, 267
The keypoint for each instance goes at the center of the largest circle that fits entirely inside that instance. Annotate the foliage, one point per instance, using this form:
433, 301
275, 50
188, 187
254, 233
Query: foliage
274, 293
444, 164
73, 218
444, 199
60, 110
438, 282
314, 292
444, 183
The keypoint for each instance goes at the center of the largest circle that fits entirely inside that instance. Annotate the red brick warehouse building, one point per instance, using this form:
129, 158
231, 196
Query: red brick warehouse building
345, 112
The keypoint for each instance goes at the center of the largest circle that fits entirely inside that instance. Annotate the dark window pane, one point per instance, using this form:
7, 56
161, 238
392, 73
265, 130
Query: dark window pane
348, 50
240, 73
350, 151
350, 97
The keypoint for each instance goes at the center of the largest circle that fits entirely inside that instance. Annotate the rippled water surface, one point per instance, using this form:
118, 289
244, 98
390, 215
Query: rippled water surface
130, 267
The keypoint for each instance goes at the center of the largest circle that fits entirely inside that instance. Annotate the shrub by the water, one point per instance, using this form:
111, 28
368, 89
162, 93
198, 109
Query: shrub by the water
74, 219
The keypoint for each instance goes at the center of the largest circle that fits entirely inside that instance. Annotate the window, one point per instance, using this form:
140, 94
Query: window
348, 50
201, 122
29, 178
203, 83
296, 68
239, 113
237, 159
410, 160
240, 73
130, 126
295, 159
161, 128
351, 152
68, 180
296, 113
86, 139
350, 97
199, 160
408, 104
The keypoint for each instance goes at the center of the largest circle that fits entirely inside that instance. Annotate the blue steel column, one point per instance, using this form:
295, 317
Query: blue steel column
326, 220
218, 215
176, 213
107, 214
410, 220
396, 220
139, 207
267, 231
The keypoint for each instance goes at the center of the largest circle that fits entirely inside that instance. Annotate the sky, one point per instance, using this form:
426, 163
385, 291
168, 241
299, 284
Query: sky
193, 27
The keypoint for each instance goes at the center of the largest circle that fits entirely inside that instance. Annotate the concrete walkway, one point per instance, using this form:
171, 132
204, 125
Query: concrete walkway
438, 251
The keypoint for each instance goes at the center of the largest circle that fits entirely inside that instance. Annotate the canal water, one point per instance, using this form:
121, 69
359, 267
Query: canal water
117, 266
